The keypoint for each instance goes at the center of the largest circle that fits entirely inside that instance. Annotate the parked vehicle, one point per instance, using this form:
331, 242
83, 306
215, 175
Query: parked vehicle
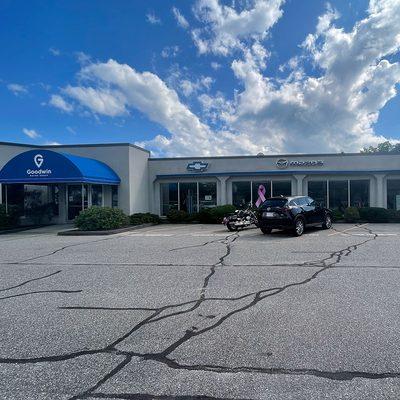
241, 219
292, 213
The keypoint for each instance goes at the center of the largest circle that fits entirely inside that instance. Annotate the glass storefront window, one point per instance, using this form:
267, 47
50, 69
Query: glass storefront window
97, 195
188, 197
338, 195
317, 190
3, 194
393, 194
241, 194
256, 185
281, 188
114, 196
169, 197
207, 194
359, 193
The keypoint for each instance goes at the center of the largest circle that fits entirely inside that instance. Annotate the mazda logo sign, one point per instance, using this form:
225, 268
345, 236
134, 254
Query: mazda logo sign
282, 163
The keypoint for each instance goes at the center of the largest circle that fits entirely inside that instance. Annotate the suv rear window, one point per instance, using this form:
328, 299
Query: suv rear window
274, 202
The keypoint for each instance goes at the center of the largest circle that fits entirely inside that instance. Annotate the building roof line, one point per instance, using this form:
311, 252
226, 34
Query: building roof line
58, 146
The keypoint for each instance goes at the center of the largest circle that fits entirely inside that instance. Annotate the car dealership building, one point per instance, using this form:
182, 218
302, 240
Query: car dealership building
69, 178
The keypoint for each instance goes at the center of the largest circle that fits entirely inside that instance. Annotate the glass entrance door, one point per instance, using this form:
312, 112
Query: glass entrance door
77, 200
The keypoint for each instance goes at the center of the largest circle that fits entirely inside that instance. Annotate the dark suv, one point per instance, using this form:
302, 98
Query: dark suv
292, 213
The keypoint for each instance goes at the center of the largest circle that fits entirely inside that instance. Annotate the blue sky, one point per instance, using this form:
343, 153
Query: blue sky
201, 77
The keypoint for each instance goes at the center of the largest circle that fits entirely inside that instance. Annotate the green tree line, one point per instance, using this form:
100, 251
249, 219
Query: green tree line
384, 147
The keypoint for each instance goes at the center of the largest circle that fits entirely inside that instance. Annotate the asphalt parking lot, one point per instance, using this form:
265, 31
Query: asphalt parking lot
194, 311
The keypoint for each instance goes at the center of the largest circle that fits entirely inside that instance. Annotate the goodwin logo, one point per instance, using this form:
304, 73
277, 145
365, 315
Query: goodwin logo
38, 159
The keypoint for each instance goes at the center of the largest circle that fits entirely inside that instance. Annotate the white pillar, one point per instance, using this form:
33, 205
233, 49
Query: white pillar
380, 190
222, 195
299, 185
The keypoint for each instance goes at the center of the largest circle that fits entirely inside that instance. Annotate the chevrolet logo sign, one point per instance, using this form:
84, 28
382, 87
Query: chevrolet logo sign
197, 166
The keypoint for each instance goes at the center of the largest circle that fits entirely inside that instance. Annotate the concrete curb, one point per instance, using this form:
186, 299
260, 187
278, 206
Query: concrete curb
77, 232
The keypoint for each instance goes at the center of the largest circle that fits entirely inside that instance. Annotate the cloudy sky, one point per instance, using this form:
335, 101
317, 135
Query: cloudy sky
201, 77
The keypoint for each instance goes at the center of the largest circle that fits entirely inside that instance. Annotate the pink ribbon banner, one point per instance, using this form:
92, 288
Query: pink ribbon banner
261, 195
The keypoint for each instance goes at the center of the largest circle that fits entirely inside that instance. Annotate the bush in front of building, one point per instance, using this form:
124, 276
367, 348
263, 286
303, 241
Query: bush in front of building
178, 216
351, 214
144, 218
378, 214
9, 217
101, 219
337, 215
215, 215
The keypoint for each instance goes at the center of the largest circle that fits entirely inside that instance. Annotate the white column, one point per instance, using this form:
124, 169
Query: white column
299, 185
222, 195
380, 190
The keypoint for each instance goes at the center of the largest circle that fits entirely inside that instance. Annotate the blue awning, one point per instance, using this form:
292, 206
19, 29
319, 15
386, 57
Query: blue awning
45, 166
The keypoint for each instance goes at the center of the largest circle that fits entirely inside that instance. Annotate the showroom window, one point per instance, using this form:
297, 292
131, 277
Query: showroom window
244, 192
359, 193
207, 194
255, 187
97, 195
187, 196
281, 188
317, 190
114, 196
169, 197
241, 194
338, 195
393, 194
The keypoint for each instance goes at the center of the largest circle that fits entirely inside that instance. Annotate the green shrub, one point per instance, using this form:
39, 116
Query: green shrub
215, 215
394, 215
351, 214
101, 218
375, 214
9, 219
144, 218
337, 215
178, 216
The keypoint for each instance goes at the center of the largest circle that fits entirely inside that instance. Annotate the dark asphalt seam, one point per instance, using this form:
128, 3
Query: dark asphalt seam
40, 292
30, 280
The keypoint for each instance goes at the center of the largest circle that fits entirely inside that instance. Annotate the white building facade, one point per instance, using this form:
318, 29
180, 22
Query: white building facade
73, 177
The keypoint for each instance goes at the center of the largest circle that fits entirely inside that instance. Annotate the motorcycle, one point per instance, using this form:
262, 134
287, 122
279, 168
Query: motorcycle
241, 219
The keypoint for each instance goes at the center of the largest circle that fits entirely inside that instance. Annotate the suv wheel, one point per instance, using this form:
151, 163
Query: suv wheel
327, 224
299, 227
266, 231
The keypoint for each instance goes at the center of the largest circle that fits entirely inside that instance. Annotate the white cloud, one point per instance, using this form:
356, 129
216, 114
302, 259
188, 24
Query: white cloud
153, 19
215, 66
188, 87
100, 100
52, 144
170, 51
336, 109
117, 87
17, 89
57, 101
55, 52
82, 58
180, 19
31, 133
225, 27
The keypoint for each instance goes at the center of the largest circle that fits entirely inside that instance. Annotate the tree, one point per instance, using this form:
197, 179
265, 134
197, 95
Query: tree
384, 147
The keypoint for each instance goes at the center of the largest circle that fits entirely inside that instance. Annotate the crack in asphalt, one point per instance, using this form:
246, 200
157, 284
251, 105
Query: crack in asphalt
40, 292
164, 357
30, 280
